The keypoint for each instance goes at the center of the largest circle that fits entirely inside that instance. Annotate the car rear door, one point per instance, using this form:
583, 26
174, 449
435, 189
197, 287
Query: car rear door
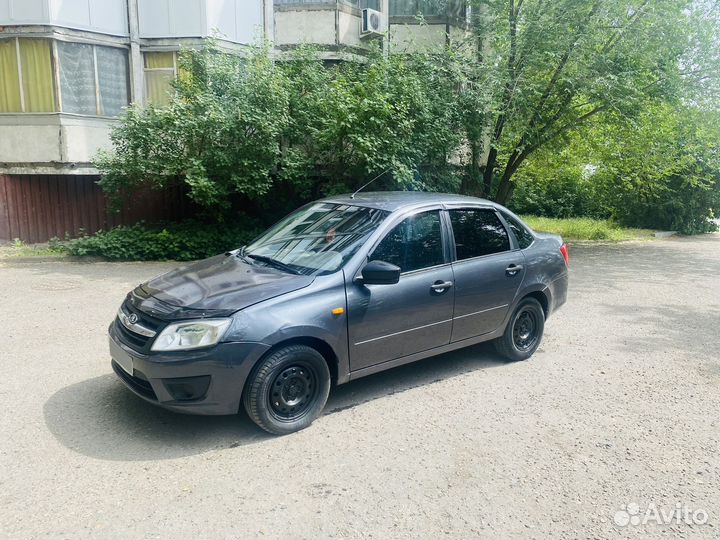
386, 322
488, 270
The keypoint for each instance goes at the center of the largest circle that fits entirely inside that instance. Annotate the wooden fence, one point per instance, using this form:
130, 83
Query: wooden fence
35, 208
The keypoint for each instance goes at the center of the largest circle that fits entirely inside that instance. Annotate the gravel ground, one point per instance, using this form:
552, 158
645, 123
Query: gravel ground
618, 407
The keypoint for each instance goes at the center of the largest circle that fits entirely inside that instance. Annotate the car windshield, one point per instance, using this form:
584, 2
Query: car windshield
316, 239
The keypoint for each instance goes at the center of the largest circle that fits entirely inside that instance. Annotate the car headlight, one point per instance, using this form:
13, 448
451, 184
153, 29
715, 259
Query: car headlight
191, 335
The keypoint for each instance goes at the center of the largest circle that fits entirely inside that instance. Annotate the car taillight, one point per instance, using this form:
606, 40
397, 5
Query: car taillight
565, 254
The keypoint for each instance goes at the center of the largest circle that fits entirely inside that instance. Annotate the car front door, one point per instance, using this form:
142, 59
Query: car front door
386, 322
488, 271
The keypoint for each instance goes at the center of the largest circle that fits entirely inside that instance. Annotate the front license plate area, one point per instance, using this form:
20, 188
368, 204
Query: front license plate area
122, 359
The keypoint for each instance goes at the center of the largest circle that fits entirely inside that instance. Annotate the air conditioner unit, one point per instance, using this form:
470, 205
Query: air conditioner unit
372, 23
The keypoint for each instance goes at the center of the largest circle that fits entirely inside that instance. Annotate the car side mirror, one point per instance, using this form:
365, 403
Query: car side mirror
380, 273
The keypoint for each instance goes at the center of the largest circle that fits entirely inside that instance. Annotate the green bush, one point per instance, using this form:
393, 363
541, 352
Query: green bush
252, 127
185, 241
564, 194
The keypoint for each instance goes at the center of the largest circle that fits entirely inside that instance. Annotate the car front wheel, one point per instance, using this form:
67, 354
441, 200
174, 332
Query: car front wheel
288, 389
524, 331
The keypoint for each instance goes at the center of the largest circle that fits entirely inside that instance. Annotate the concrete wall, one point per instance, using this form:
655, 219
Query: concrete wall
414, 37
326, 25
349, 29
36, 143
80, 140
106, 16
305, 26
29, 144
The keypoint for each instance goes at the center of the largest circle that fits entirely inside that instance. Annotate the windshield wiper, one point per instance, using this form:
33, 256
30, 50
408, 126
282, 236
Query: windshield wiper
273, 262
240, 254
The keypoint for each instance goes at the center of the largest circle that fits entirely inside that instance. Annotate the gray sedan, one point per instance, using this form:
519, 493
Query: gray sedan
341, 288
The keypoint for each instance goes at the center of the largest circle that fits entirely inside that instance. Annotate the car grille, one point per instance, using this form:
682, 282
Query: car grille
140, 385
130, 338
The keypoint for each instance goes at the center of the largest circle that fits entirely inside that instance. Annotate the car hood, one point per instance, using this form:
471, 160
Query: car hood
221, 284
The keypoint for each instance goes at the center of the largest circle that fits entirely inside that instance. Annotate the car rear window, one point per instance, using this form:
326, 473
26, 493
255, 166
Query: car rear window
524, 237
478, 232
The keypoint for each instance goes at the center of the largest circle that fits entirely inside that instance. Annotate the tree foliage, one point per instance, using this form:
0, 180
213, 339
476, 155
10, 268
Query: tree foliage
220, 134
243, 127
605, 108
547, 68
661, 170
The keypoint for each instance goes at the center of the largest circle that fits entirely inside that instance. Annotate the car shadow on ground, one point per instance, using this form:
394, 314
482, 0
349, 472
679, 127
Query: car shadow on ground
100, 418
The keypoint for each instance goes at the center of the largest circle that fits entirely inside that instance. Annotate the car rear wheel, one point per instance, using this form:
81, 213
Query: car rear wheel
288, 389
524, 332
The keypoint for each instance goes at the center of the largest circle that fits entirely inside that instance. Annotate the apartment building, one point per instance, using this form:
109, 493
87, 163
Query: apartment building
69, 67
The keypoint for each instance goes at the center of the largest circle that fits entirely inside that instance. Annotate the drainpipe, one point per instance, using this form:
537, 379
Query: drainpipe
268, 20
385, 10
136, 60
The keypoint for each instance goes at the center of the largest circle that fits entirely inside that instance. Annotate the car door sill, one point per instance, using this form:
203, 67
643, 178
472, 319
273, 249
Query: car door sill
435, 351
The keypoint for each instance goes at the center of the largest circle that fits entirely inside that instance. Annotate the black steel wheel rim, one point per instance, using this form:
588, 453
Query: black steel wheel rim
525, 330
293, 391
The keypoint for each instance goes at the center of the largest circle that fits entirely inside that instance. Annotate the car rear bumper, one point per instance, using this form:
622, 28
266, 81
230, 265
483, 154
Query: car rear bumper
208, 381
558, 292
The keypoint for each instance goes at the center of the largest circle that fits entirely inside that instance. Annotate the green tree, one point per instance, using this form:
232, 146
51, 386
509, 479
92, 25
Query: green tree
659, 169
220, 134
243, 127
538, 70
663, 171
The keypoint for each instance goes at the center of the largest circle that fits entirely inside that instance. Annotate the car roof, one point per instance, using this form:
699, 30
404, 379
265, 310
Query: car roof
401, 200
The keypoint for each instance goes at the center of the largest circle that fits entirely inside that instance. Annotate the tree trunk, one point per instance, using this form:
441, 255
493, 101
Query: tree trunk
505, 191
488, 174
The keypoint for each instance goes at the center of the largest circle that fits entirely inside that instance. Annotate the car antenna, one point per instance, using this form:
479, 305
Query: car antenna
368, 183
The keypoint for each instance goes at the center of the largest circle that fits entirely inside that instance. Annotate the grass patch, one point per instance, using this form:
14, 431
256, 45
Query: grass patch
18, 248
587, 229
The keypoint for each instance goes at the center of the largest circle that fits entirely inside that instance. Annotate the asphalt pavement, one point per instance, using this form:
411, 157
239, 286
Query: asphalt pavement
612, 424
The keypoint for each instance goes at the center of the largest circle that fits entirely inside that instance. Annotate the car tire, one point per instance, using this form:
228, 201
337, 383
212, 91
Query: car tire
524, 331
287, 390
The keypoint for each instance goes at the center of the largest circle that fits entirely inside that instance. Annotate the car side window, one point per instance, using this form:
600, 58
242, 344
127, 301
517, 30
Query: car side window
524, 237
414, 243
478, 231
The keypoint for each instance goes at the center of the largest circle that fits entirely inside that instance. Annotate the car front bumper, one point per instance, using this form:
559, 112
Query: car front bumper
204, 381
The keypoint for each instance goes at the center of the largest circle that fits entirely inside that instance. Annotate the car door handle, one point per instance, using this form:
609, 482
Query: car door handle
513, 269
441, 286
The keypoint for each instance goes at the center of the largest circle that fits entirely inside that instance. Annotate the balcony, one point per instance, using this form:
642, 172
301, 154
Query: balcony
237, 21
102, 16
333, 24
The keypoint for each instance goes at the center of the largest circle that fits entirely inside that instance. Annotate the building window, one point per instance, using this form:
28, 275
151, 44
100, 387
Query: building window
93, 79
26, 76
112, 73
160, 71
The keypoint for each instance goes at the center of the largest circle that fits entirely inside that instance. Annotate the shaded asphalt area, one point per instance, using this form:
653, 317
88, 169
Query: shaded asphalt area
618, 407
